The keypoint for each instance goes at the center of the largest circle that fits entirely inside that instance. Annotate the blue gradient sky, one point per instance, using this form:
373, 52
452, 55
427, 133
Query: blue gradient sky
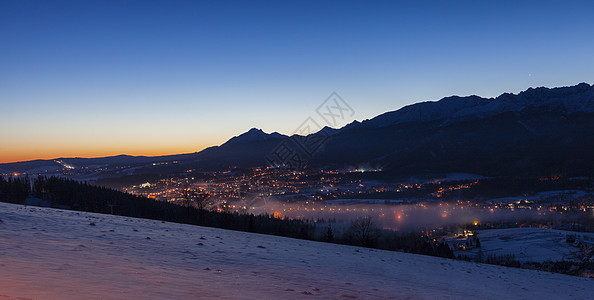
96, 78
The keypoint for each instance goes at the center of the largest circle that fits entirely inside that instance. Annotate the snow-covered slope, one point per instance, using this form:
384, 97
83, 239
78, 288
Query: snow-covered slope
578, 98
54, 254
532, 244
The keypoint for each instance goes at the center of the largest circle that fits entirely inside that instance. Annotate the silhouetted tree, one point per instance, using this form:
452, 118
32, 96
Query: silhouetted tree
329, 234
363, 231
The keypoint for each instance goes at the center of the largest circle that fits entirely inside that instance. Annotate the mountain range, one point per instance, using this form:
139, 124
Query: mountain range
540, 131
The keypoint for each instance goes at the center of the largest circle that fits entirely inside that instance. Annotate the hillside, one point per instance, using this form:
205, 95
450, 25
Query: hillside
49, 253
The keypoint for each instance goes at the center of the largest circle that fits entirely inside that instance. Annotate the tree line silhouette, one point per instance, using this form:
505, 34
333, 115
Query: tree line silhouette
81, 196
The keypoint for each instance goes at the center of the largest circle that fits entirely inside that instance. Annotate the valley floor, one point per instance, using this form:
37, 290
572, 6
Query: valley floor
57, 254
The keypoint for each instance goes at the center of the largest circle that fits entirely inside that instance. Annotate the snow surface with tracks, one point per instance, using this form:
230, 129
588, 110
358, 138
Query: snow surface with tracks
57, 254
533, 244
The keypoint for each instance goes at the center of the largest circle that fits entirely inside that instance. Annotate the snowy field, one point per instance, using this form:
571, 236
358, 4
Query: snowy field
532, 244
56, 254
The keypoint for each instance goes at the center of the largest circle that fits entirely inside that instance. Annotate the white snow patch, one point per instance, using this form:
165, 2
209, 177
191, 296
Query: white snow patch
57, 254
532, 244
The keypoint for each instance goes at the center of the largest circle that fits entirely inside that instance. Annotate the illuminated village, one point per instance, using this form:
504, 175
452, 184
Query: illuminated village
311, 194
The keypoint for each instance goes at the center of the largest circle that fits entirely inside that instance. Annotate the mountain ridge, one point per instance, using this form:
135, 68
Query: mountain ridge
478, 107
254, 135
534, 131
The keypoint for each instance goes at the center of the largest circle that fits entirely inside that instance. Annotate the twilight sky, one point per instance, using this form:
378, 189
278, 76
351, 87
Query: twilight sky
98, 78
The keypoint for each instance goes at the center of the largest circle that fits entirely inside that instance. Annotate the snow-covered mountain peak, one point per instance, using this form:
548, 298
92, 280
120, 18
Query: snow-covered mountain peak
255, 135
578, 98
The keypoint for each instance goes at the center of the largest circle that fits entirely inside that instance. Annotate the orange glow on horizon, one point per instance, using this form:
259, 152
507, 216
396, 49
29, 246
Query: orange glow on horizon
49, 154
60, 141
